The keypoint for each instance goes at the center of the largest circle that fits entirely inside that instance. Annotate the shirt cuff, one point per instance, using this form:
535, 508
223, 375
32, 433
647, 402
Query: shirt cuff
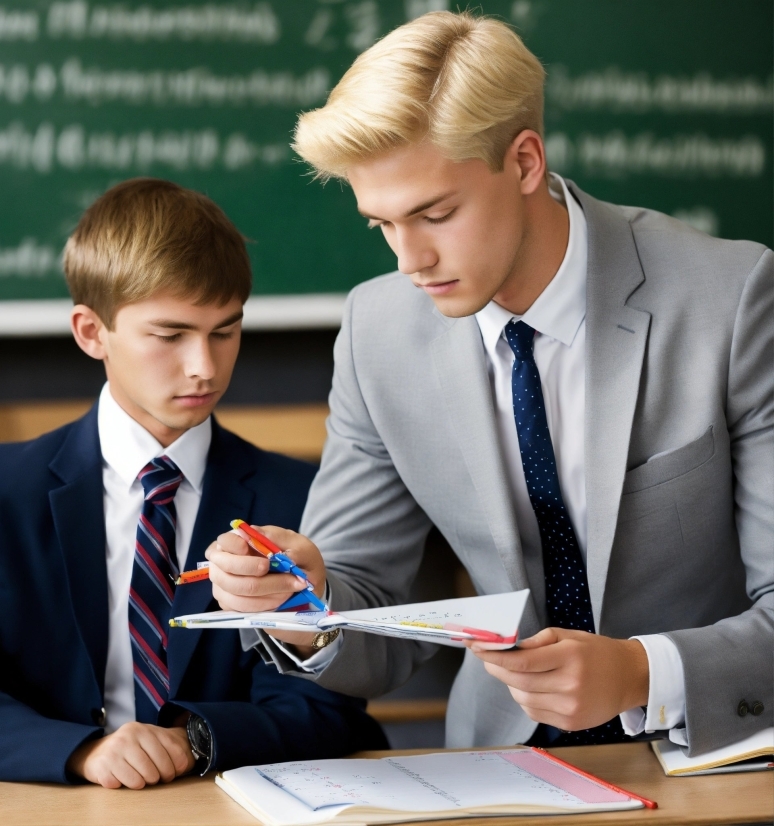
666, 695
315, 664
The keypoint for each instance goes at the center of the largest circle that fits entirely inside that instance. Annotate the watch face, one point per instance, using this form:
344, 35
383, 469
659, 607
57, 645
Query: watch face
200, 735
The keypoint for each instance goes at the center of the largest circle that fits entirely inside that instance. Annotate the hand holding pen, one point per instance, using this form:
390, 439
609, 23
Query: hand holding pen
250, 571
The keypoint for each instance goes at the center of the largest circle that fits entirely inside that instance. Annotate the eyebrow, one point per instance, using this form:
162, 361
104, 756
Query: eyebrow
419, 208
170, 324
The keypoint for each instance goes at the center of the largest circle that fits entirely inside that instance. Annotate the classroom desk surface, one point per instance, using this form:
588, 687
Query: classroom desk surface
713, 799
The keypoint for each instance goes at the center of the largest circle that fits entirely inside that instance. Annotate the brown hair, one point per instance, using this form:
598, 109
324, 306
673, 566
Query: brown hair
145, 236
466, 84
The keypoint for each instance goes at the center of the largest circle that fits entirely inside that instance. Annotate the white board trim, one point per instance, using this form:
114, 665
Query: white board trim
51, 317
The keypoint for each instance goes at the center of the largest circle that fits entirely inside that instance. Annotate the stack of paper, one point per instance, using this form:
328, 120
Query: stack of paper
744, 756
428, 787
492, 621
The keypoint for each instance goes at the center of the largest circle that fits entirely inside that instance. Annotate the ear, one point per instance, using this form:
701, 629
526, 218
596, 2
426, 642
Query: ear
527, 156
89, 331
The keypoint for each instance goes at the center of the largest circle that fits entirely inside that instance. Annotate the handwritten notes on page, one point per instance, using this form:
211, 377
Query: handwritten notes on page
394, 789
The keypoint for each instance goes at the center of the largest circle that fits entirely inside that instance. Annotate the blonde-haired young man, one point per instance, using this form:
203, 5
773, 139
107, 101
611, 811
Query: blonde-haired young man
97, 519
579, 396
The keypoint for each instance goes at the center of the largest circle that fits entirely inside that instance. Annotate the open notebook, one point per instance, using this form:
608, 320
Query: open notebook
755, 753
491, 620
428, 787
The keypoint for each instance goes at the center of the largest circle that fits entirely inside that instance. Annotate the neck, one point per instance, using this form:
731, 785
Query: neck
163, 434
545, 235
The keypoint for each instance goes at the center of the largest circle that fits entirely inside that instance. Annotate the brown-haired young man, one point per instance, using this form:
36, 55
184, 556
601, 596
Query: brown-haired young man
97, 519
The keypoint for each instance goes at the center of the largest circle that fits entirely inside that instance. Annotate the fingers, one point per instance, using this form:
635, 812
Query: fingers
548, 636
139, 755
247, 605
238, 565
231, 543
156, 749
178, 749
544, 658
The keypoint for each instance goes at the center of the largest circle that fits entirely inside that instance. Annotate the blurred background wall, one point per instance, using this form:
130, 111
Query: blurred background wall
650, 102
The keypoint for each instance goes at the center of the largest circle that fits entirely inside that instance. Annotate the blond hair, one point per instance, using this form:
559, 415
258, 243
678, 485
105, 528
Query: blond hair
467, 84
146, 236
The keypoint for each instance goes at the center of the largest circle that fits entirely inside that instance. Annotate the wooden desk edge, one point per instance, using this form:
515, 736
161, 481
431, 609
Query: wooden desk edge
683, 801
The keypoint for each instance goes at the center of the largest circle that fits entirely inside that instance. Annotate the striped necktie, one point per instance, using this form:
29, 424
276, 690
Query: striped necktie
567, 590
153, 586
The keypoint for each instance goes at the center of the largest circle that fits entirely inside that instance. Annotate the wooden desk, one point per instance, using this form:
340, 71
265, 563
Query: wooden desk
715, 799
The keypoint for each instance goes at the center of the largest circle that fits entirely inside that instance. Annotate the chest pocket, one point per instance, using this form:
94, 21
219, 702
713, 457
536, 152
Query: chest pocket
671, 465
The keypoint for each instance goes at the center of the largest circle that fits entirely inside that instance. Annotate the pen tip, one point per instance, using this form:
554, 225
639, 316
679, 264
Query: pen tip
236, 523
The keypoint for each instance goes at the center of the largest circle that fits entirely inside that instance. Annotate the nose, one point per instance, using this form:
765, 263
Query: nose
415, 252
199, 361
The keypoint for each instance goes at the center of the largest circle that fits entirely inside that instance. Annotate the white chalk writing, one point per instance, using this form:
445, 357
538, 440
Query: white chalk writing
638, 92
189, 87
74, 148
77, 19
680, 155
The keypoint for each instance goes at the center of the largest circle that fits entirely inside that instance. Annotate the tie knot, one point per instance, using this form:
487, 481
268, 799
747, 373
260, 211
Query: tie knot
520, 337
160, 479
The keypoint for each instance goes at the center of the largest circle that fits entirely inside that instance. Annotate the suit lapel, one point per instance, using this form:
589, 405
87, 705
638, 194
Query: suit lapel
78, 515
224, 497
616, 338
460, 364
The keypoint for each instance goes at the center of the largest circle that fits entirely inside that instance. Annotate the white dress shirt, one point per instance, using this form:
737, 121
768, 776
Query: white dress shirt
559, 317
126, 448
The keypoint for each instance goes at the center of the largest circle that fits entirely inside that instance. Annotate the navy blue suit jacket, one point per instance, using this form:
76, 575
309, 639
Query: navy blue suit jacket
54, 614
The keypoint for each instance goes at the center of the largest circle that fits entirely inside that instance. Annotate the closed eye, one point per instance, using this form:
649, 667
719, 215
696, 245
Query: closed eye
442, 220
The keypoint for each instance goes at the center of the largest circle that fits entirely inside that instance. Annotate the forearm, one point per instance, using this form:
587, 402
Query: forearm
286, 720
37, 748
725, 663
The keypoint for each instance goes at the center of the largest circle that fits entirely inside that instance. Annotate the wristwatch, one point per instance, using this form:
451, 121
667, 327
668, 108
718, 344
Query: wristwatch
200, 741
325, 638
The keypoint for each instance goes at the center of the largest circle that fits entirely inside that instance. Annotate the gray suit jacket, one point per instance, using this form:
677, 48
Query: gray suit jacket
679, 471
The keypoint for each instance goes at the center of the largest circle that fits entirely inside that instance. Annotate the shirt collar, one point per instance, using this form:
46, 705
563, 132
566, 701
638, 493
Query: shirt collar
127, 446
560, 309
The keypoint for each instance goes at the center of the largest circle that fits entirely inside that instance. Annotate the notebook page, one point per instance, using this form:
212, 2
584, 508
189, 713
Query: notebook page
444, 782
268, 802
510, 777
675, 759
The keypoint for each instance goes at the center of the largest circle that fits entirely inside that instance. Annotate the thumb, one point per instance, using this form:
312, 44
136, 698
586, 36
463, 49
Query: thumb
548, 636
281, 537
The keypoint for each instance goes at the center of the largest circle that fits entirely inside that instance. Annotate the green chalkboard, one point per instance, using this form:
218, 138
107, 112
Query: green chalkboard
654, 102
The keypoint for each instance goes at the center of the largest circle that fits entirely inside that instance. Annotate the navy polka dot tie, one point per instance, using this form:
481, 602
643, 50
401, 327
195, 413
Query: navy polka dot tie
567, 591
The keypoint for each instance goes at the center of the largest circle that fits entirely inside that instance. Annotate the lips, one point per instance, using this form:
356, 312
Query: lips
439, 287
201, 400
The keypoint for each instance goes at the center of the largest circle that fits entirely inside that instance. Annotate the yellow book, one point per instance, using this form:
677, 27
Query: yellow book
755, 753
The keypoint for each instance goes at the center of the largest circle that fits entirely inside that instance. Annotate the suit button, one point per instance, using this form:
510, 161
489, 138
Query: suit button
742, 708
99, 715
757, 708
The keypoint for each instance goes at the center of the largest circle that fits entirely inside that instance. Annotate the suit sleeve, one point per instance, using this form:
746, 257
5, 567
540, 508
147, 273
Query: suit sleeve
286, 720
36, 748
733, 659
369, 529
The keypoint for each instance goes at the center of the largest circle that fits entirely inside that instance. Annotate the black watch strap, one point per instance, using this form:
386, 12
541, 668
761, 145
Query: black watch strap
200, 740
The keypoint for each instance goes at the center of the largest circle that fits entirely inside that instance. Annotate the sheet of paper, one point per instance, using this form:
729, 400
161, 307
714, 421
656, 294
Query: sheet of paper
493, 620
445, 621
443, 782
